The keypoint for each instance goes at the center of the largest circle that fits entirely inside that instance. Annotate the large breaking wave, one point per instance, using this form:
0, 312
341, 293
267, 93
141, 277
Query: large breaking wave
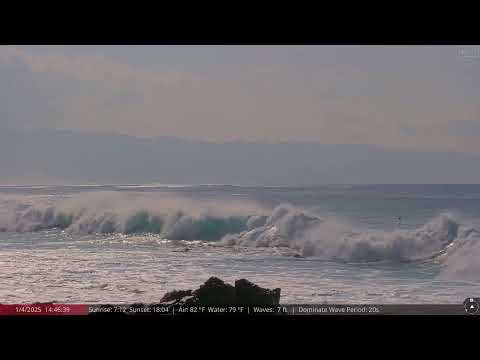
443, 239
331, 239
171, 218
249, 224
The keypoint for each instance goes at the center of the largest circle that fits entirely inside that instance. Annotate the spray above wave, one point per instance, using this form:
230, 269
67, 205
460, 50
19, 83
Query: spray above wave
462, 260
245, 223
332, 240
170, 217
176, 226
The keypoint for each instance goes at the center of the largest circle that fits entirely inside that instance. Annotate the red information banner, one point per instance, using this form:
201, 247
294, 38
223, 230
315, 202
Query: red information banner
43, 309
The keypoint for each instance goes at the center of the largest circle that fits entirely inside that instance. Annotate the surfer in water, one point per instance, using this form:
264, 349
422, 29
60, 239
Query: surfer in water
399, 221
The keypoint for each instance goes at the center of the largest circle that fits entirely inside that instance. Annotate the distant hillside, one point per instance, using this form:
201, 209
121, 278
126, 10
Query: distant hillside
73, 157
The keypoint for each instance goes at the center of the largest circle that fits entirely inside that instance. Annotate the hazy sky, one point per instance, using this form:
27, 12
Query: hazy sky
422, 97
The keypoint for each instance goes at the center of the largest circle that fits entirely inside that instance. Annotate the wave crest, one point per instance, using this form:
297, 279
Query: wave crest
175, 226
246, 224
332, 240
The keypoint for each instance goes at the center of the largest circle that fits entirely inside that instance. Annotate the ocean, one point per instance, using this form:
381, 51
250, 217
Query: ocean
338, 244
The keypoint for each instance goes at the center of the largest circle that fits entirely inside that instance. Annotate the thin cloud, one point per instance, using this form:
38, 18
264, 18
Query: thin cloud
89, 68
352, 98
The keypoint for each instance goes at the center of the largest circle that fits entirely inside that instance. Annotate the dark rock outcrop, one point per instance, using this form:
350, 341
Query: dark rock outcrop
248, 293
175, 295
216, 292
213, 292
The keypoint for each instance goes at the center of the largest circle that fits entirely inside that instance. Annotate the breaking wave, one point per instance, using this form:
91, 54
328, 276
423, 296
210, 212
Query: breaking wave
248, 224
333, 240
171, 218
175, 226
462, 260
444, 239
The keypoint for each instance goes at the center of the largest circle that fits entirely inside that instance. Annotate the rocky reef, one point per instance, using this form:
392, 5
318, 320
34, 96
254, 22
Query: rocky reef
213, 292
216, 292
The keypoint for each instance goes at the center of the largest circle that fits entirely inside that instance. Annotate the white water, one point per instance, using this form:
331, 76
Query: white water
434, 262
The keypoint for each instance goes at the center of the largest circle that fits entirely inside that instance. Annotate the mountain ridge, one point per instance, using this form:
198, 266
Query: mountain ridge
73, 156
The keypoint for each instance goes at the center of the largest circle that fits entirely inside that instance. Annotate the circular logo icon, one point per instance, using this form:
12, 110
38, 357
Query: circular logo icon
471, 306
